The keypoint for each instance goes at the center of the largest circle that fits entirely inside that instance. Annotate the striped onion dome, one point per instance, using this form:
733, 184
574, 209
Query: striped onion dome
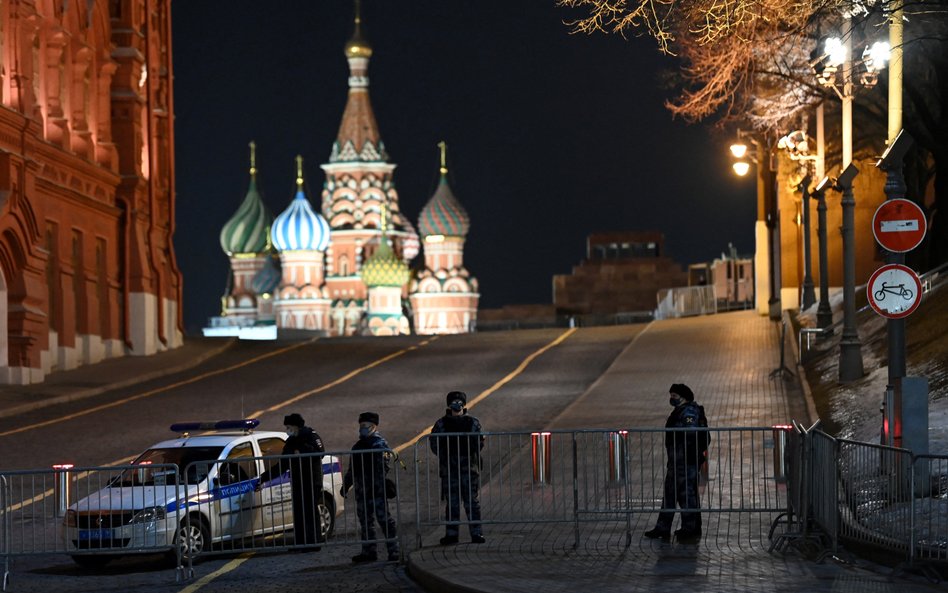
299, 227
384, 268
443, 214
268, 278
246, 231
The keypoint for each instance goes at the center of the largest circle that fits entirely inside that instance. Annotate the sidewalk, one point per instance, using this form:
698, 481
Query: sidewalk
727, 360
115, 373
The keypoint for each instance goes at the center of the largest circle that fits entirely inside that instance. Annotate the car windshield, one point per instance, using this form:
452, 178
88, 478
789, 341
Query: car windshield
151, 472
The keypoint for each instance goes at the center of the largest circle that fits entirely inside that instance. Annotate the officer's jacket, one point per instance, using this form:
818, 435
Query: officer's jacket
367, 471
687, 446
304, 470
457, 453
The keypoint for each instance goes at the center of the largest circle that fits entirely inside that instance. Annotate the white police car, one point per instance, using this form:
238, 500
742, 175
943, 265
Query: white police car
195, 491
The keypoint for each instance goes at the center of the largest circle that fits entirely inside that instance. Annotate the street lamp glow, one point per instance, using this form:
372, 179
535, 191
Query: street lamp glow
739, 150
835, 52
877, 55
741, 168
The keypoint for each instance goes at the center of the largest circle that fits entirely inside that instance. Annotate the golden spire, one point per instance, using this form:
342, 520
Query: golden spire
444, 155
358, 47
299, 172
253, 158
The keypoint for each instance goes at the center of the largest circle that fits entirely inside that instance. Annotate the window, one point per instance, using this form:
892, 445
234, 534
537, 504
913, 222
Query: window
271, 446
239, 465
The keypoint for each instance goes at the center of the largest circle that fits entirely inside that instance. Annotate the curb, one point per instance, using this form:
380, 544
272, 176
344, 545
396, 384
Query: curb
92, 392
430, 581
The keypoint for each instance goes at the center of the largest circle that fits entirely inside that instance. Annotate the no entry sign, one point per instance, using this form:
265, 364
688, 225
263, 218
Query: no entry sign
899, 225
894, 291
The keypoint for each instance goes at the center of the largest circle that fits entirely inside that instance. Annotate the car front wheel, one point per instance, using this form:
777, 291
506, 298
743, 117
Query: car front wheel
327, 516
193, 538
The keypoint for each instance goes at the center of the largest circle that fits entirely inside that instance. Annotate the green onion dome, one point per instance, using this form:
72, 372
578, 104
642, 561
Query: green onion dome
384, 268
248, 229
443, 214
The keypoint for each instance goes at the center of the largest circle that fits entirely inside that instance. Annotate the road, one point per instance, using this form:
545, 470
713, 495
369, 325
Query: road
526, 377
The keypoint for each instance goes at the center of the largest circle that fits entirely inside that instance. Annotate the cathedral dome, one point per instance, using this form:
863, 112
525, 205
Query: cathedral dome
443, 214
246, 231
299, 227
384, 268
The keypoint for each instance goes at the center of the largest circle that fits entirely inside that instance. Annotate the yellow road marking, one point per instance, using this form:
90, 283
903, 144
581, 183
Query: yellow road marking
222, 570
155, 391
510, 376
342, 379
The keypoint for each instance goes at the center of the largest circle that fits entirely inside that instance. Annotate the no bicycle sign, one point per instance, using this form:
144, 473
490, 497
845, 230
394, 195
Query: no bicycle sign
894, 291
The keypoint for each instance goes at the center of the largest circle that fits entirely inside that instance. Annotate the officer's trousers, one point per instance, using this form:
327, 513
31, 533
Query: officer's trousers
455, 489
370, 509
681, 487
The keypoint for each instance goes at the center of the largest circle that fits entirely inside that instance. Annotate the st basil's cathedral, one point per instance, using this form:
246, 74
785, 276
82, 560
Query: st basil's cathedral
345, 269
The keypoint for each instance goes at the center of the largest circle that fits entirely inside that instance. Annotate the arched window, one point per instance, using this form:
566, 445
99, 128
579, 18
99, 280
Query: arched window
343, 265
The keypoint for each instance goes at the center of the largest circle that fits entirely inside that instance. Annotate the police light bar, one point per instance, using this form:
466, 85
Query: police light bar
246, 424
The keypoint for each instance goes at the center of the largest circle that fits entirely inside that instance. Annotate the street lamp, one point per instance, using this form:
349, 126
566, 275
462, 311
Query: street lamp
797, 146
837, 53
766, 207
824, 313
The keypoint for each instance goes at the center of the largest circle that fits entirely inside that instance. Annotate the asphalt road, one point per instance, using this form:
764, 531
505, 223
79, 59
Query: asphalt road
329, 382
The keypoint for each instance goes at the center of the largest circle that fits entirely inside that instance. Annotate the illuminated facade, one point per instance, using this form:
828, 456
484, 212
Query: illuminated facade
86, 185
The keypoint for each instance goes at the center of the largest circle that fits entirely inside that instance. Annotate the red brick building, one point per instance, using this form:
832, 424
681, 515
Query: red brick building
87, 268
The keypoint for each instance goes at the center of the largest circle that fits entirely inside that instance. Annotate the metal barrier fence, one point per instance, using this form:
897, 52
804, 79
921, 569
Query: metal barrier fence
873, 495
87, 513
686, 301
577, 477
282, 502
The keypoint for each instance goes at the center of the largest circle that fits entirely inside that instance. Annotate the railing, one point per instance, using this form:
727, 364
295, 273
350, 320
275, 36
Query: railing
931, 280
686, 301
590, 476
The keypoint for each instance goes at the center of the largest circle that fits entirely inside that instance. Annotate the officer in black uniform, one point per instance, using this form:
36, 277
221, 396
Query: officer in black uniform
459, 466
686, 452
306, 478
367, 473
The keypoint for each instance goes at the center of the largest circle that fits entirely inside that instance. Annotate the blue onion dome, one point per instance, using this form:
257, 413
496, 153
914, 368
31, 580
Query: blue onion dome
247, 230
299, 227
384, 268
443, 214
268, 278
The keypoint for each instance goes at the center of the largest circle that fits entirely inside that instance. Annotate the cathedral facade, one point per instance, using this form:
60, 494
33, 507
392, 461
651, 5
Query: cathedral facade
87, 266
345, 268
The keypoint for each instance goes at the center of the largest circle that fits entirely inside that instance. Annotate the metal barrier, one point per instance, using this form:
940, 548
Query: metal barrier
282, 502
93, 514
930, 513
582, 483
686, 301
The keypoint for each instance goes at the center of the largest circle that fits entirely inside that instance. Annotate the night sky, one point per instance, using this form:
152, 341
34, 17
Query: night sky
550, 136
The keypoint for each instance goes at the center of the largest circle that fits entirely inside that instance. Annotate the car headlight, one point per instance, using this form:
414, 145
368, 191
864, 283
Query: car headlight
71, 518
149, 515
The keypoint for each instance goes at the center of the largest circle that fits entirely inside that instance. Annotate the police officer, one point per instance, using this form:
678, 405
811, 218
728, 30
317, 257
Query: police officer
367, 473
686, 451
459, 466
306, 478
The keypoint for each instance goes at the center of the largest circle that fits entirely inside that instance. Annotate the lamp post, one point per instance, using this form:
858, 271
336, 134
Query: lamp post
797, 144
850, 348
824, 313
766, 210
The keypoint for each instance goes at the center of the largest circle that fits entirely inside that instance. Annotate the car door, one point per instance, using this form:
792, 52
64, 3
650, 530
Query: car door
277, 494
235, 489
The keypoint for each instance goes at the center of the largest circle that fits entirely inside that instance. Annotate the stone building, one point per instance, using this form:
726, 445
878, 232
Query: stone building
86, 184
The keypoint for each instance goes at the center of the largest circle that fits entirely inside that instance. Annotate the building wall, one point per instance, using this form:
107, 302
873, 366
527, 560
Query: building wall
86, 219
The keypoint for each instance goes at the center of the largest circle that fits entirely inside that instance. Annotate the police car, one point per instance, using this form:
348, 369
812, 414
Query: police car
195, 491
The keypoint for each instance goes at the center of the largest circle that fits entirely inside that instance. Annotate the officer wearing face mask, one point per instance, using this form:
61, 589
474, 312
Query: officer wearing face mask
459, 466
306, 478
367, 473
686, 451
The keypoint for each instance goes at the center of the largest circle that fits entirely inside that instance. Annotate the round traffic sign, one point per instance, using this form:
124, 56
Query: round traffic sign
899, 225
894, 291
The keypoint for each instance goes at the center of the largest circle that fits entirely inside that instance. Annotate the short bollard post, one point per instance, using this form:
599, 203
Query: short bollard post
618, 445
541, 457
61, 488
781, 431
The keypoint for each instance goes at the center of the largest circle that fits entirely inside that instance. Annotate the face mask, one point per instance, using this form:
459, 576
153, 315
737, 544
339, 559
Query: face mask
674, 401
292, 430
456, 405
365, 431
